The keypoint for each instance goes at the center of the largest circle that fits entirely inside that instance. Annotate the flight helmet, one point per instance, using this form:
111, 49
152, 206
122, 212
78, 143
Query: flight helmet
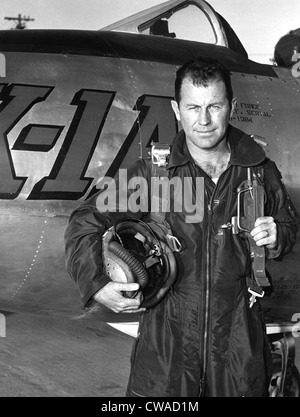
138, 251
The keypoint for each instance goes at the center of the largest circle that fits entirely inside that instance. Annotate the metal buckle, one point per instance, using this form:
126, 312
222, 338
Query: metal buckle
174, 243
255, 294
159, 154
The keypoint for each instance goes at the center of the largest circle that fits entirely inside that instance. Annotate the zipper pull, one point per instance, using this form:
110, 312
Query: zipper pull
202, 387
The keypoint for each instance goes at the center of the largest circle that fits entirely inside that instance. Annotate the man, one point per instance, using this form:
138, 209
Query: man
286, 51
203, 338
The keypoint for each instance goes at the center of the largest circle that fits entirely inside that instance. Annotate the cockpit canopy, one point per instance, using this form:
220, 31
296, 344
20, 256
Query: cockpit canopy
201, 24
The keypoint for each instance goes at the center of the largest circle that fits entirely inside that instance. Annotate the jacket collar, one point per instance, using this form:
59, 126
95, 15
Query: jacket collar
244, 150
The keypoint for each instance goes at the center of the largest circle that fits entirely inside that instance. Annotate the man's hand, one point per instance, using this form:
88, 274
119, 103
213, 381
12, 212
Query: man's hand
265, 232
111, 296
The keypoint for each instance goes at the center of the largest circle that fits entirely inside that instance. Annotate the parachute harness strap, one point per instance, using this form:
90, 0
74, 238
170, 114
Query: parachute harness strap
160, 153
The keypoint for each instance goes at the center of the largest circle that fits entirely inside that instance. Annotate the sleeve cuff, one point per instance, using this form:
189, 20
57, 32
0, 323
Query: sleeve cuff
88, 298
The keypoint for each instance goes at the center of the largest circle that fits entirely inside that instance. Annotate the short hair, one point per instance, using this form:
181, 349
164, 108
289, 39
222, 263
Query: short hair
202, 71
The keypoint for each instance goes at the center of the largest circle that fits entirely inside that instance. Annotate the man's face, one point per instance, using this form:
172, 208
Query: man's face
204, 113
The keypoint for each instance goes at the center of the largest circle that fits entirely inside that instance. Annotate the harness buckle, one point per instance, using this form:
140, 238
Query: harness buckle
159, 154
255, 294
